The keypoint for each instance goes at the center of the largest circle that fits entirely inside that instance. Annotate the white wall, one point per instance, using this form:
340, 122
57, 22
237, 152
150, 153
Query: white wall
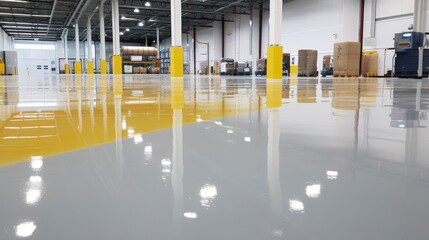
6, 42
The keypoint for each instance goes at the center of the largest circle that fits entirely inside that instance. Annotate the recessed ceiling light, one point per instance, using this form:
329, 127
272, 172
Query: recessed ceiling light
141, 24
121, 33
147, 4
136, 10
123, 17
127, 29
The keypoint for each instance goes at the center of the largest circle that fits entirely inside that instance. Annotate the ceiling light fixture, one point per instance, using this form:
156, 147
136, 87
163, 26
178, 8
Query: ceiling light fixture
141, 24
127, 29
136, 10
123, 17
147, 4
121, 33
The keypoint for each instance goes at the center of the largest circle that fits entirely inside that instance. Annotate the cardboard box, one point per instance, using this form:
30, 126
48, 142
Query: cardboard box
326, 62
216, 67
370, 65
346, 59
307, 63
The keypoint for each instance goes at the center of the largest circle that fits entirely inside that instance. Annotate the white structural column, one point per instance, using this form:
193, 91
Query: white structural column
115, 28
275, 22
157, 40
418, 24
176, 23
275, 50
176, 50
66, 53
78, 64
117, 59
103, 63
90, 61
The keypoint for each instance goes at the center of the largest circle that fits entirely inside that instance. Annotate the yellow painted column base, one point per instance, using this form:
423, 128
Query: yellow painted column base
103, 66
90, 66
274, 93
2, 68
177, 93
117, 65
176, 61
66, 69
78, 67
275, 62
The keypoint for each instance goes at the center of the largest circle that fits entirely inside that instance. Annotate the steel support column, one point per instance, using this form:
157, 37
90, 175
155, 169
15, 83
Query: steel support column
66, 53
275, 50
176, 50
117, 59
78, 63
103, 62
90, 61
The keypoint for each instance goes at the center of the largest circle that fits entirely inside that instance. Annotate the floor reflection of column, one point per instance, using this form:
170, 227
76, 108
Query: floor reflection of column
177, 105
274, 102
104, 103
117, 91
90, 92
79, 101
68, 108
273, 157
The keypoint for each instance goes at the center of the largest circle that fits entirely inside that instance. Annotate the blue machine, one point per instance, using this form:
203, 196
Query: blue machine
407, 46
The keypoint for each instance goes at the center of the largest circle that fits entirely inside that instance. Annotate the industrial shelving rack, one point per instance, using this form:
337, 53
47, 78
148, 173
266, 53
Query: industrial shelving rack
164, 57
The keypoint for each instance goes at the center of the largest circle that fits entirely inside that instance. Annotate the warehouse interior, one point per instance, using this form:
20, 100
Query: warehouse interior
203, 119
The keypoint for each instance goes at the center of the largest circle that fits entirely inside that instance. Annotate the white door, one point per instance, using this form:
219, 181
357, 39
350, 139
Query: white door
36, 67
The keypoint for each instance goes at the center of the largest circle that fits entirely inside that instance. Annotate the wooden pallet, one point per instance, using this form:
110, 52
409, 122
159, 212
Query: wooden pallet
371, 75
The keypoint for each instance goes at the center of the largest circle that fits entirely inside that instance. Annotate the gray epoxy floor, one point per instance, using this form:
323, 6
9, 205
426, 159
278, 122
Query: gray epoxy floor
340, 159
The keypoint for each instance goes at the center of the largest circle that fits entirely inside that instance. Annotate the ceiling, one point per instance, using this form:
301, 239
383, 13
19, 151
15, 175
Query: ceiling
48, 19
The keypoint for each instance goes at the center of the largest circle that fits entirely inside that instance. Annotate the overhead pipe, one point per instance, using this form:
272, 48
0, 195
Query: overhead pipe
51, 15
69, 21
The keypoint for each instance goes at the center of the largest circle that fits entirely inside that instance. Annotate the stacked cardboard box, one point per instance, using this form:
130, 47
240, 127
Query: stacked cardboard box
346, 59
370, 65
307, 63
139, 70
216, 67
326, 62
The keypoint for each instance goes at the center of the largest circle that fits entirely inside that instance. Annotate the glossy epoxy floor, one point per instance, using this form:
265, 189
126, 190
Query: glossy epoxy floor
147, 157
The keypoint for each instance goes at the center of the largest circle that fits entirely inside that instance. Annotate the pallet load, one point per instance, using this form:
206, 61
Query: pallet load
286, 64
204, 68
307, 63
327, 66
227, 66
261, 67
216, 67
346, 59
370, 64
139, 70
243, 68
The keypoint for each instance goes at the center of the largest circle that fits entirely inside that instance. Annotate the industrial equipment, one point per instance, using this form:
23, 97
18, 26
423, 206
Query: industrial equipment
227, 66
243, 68
412, 59
138, 59
261, 67
10, 62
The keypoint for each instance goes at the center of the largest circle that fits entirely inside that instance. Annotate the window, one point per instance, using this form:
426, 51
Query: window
37, 46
